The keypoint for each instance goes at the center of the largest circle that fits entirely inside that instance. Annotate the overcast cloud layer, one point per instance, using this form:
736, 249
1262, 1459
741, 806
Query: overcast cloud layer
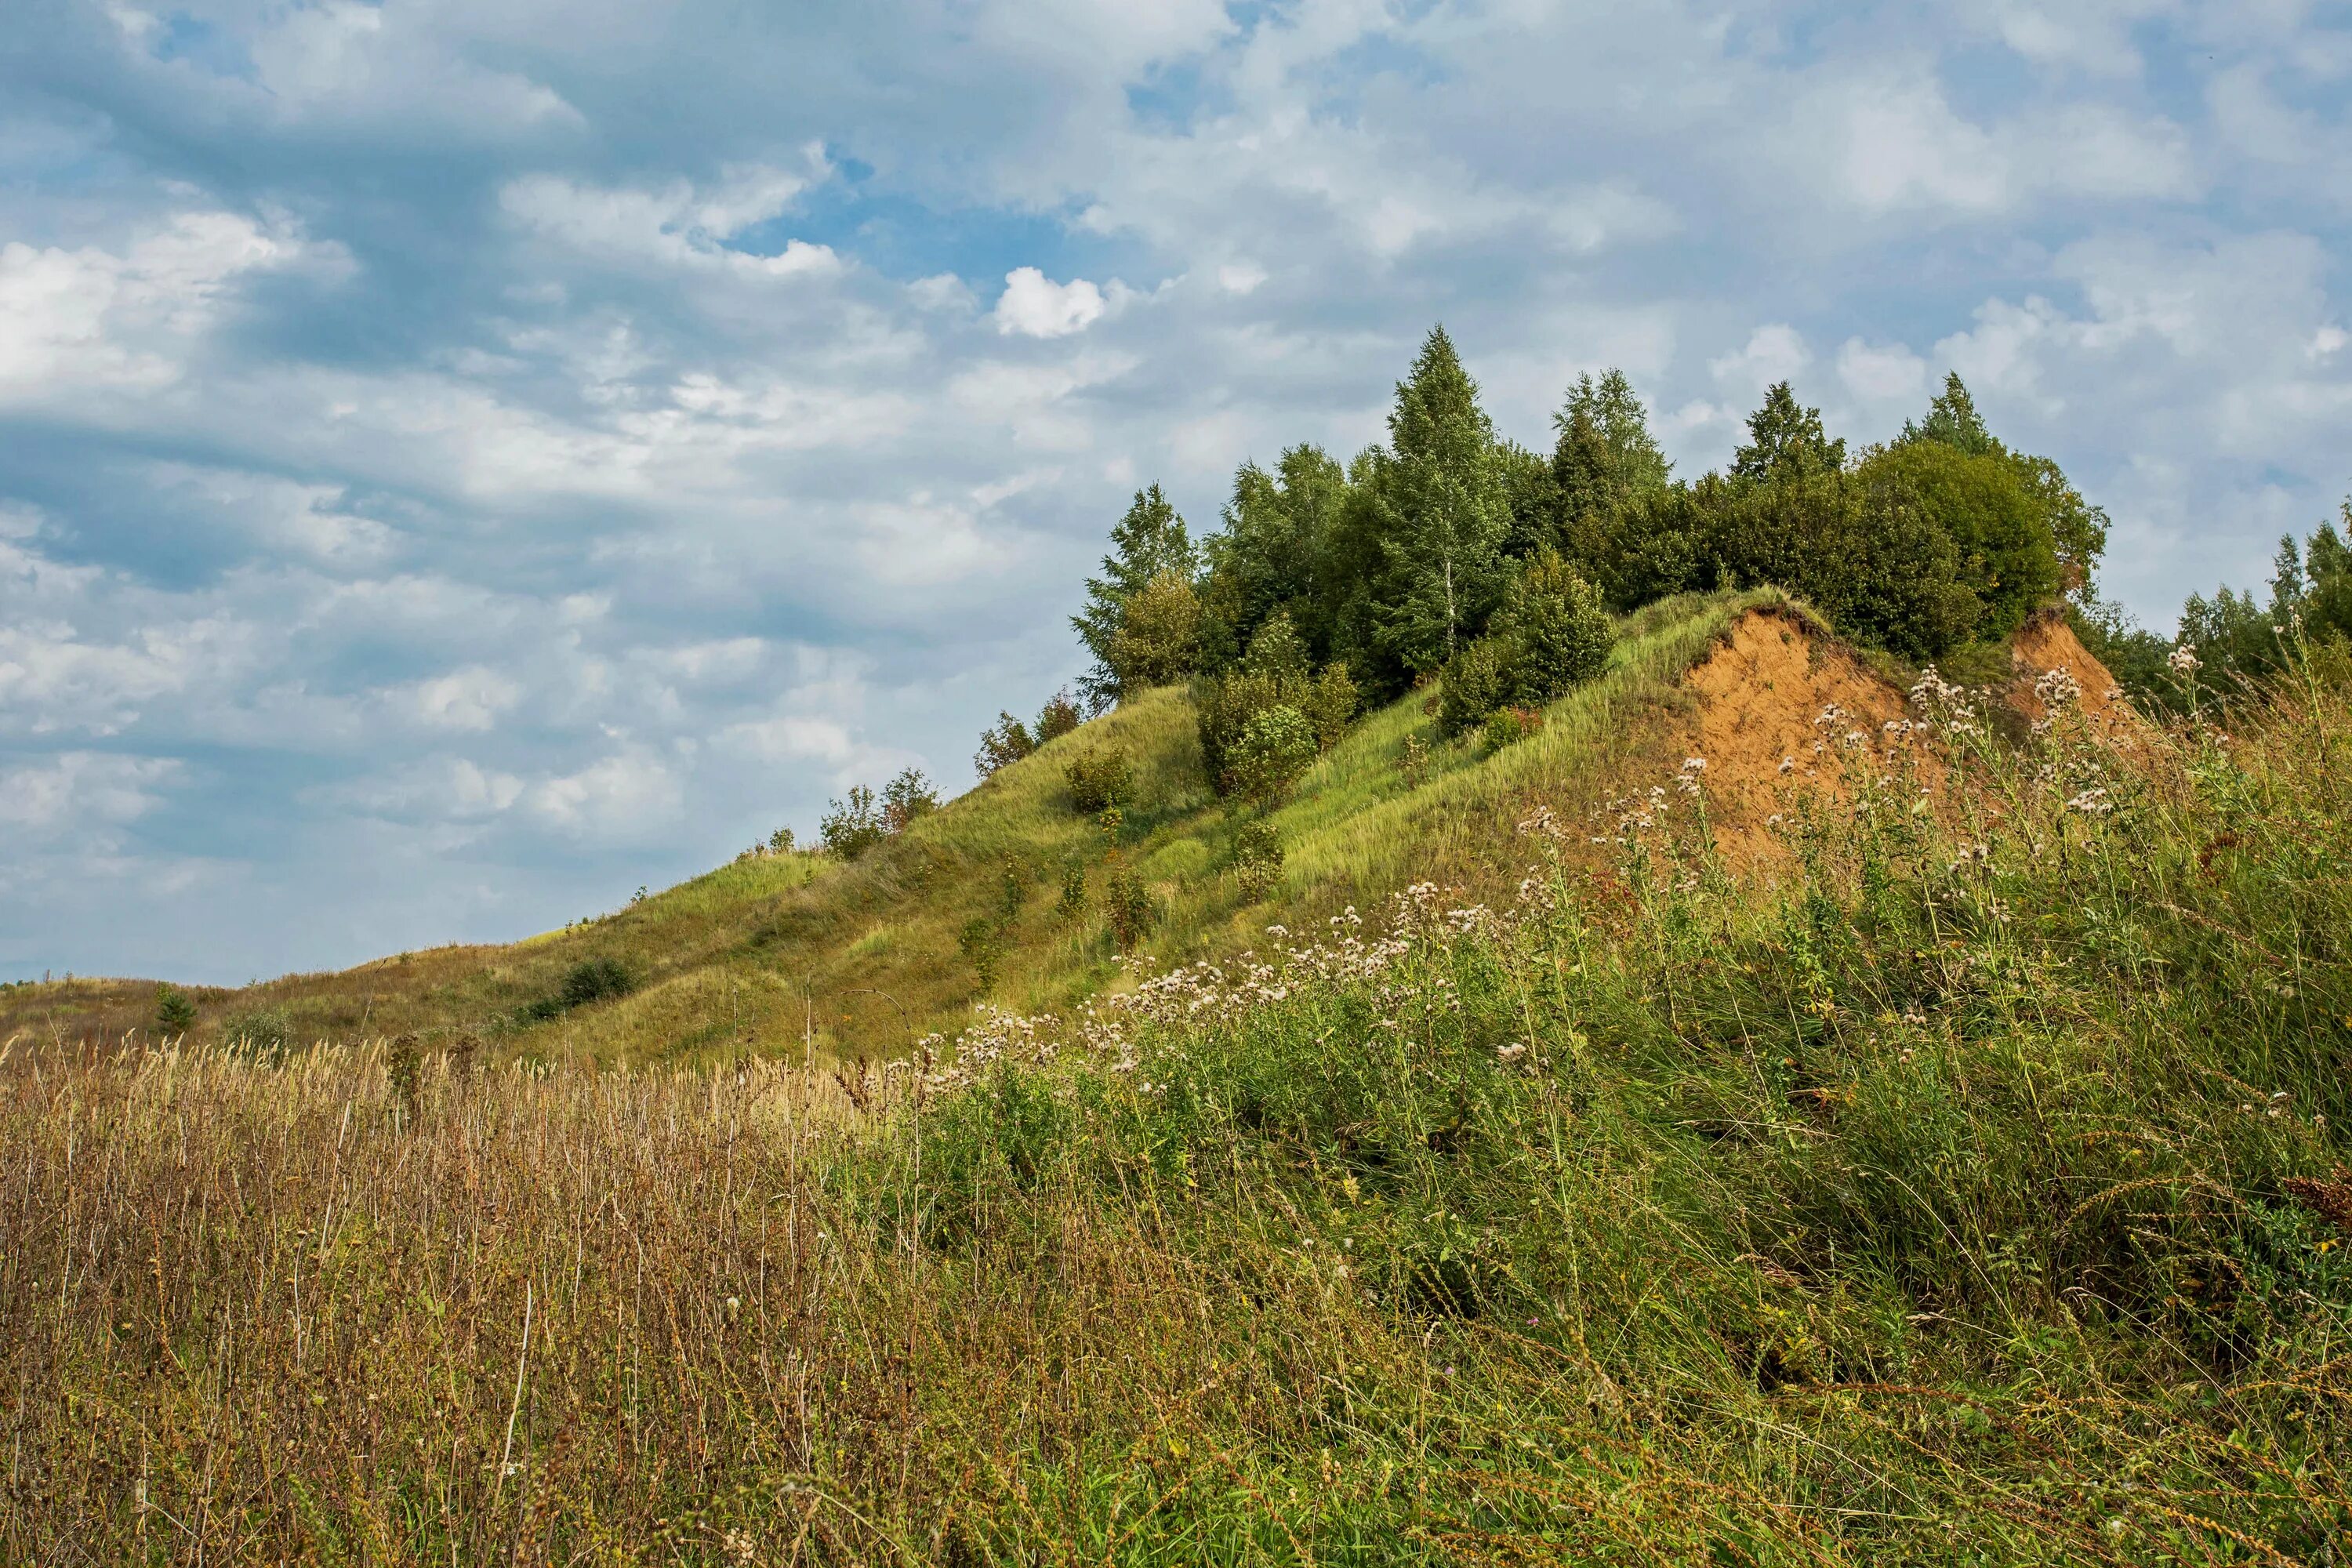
460, 459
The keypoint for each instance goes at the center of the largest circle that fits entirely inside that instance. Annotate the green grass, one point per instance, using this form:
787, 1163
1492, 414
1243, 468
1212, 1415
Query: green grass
1977, 1196
798, 956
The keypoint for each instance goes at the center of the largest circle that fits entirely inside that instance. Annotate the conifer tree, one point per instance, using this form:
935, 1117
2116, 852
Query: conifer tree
1149, 540
1953, 419
1444, 512
1604, 461
1785, 441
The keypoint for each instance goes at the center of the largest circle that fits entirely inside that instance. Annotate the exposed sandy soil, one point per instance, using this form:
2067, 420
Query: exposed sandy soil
1761, 696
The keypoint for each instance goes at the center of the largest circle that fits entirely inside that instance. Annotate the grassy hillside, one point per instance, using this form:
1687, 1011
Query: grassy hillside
798, 955
1976, 1193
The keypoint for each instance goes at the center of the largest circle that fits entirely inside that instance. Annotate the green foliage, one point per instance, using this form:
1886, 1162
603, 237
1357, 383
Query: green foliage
1443, 514
1786, 442
780, 842
1257, 859
1150, 541
262, 1033
1072, 900
1277, 746
1159, 636
905, 798
1477, 682
1557, 632
595, 980
1098, 781
1330, 705
1998, 525
851, 826
1276, 650
983, 946
175, 1010
1002, 744
1509, 726
1127, 905
1057, 718
1603, 462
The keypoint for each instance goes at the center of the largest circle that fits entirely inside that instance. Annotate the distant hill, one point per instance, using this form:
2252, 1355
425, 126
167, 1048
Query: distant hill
800, 954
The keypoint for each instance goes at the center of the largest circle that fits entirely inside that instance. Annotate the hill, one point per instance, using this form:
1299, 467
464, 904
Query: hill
802, 957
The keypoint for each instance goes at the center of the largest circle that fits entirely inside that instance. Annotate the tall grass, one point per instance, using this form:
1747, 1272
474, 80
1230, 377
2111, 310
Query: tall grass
1965, 1199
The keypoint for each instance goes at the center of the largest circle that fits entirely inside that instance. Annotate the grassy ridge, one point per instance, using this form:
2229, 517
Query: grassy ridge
1978, 1198
800, 956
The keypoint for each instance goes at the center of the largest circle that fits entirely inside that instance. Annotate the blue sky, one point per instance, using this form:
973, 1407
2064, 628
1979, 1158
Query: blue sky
461, 459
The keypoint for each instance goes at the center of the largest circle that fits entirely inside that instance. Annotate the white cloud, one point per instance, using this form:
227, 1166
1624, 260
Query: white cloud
1773, 352
82, 791
677, 225
91, 318
463, 699
1880, 373
1034, 306
1240, 277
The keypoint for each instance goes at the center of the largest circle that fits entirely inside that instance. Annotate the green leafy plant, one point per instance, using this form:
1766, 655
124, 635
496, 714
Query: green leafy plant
1098, 780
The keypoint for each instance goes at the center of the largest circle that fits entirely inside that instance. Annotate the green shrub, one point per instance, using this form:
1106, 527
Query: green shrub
905, 798
1128, 905
1330, 705
1558, 631
175, 1010
1257, 859
983, 946
1509, 726
1276, 748
1073, 901
264, 1033
1057, 718
1098, 780
851, 826
1159, 635
595, 980
1477, 680
1002, 744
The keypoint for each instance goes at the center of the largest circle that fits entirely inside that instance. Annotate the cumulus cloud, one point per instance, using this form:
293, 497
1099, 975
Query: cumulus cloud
1034, 306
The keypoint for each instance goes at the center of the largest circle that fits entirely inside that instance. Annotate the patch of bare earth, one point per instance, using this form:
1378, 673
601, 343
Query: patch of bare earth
2047, 644
1758, 721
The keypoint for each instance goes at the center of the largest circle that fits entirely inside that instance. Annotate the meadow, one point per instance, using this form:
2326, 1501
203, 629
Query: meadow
1967, 1183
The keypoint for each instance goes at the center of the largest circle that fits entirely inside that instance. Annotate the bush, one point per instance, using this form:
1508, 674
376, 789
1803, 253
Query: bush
175, 1010
1476, 682
852, 827
1058, 717
594, 980
1073, 901
1558, 631
1098, 780
983, 947
905, 798
264, 1033
1276, 748
1001, 745
1128, 905
1159, 636
1509, 726
1330, 705
1257, 857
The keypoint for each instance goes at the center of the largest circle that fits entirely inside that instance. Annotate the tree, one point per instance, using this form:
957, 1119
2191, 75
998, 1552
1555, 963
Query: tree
1264, 560
1785, 441
1149, 540
1604, 461
1057, 718
1952, 419
1444, 512
2001, 529
905, 798
1002, 744
1558, 631
175, 1010
1159, 636
851, 826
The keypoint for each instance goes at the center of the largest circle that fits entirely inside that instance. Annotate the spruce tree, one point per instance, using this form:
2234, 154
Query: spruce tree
1445, 513
1604, 461
1785, 441
1149, 540
1953, 419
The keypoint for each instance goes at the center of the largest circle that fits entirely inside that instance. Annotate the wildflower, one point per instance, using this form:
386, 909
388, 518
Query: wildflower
2091, 802
1788, 766
2184, 659
1512, 1052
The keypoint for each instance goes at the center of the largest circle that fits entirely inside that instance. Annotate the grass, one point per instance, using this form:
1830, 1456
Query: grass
800, 956
1975, 1195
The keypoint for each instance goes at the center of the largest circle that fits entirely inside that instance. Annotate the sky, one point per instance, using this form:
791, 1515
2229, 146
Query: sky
461, 460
